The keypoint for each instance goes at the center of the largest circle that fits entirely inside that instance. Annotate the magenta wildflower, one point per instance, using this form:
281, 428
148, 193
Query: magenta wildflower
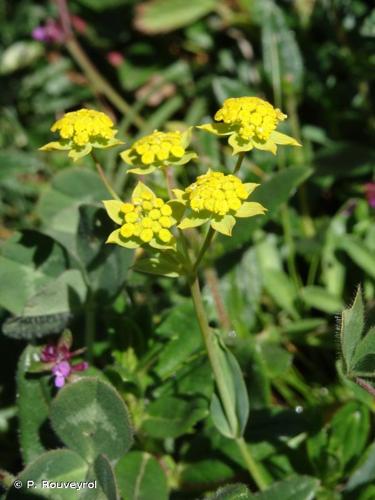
57, 358
51, 32
370, 193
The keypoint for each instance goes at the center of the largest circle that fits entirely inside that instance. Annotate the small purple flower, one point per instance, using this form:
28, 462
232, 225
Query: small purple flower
61, 371
51, 32
370, 193
57, 359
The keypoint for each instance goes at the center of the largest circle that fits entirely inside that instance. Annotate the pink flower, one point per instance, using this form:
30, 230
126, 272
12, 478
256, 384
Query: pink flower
115, 58
370, 193
57, 358
51, 32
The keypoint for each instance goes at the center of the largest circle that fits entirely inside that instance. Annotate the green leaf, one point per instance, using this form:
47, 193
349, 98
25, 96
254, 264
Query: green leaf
140, 477
294, 488
90, 417
231, 492
365, 472
352, 325
364, 355
33, 402
190, 222
271, 194
236, 389
359, 253
161, 16
59, 203
54, 466
319, 298
173, 417
203, 473
282, 58
106, 487
49, 310
28, 261
276, 359
281, 288
161, 264
182, 327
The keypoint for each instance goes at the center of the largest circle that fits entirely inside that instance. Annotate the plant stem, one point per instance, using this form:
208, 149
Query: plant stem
207, 241
252, 466
99, 83
103, 177
222, 388
241, 156
366, 386
89, 324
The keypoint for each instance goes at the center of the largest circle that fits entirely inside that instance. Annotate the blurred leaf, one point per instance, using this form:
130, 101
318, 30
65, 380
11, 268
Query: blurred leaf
281, 288
224, 87
319, 298
294, 488
99, 5
172, 417
140, 477
205, 472
161, 16
365, 472
359, 253
277, 359
231, 492
19, 55
282, 57
271, 194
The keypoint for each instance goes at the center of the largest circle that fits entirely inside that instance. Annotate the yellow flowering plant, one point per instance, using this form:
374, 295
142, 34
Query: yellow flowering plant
218, 199
158, 150
81, 131
249, 122
166, 233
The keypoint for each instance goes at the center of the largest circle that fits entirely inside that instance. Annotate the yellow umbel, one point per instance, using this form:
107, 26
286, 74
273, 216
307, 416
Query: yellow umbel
254, 117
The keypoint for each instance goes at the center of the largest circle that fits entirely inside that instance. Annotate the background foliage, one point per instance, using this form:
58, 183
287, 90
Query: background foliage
273, 290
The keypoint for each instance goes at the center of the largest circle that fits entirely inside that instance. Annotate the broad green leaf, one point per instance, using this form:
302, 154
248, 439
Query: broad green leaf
113, 208
206, 472
276, 359
59, 203
33, 403
161, 16
352, 325
172, 417
54, 466
28, 261
319, 298
140, 477
90, 417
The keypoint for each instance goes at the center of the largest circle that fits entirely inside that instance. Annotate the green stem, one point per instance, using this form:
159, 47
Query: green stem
99, 83
103, 177
252, 466
241, 156
291, 262
222, 388
90, 324
207, 241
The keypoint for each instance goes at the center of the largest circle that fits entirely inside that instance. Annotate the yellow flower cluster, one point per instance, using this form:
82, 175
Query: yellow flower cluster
254, 117
159, 146
216, 193
84, 127
147, 217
